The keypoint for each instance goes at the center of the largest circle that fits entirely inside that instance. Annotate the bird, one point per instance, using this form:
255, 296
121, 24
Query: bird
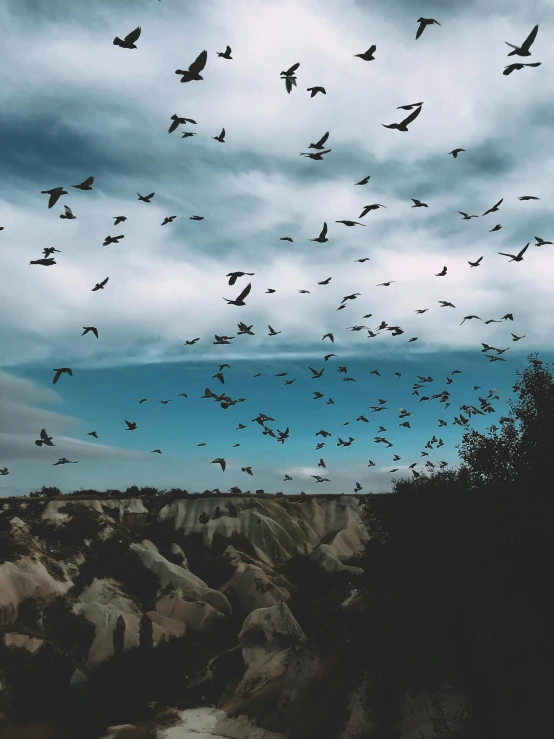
304, 292
86, 330
494, 207
418, 203
317, 157
234, 275
423, 23
168, 219
367, 208
523, 50
142, 400
517, 338
466, 217
119, 219
68, 214
364, 181
131, 425
177, 121
188, 134
528, 197
63, 460
93, 433
59, 372
193, 72
512, 67
192, 341
85, 185
221, 137
44, 439
409, 107
321, 143
496, 228
351, 223
129, 40
112, 240
225, 54
315, 90
291, 70
367, 56
475, 264
289, 82
196, 218
322, 236
248, 470
541, 242
466, 318
315, 373
441, 274
146, 198
55, 194
364, 259
286, 238
518, 257
221, 462
329, 336
157, 451
446, 304
100, 285
4, 471
403, 125
240, 299
385, 284
44, 262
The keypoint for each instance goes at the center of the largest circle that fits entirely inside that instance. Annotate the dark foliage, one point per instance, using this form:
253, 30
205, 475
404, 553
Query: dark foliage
71, 633
119, 635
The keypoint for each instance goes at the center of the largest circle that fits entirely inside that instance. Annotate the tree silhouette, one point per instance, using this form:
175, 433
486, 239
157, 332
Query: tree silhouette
119, 635
146, 632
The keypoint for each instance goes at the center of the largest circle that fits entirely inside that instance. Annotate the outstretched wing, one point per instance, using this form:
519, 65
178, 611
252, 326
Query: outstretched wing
526, 45
199, 63
522, 252
133, 36
245, 292
323, 139
293, 69
88, 182
323, 233
411, 117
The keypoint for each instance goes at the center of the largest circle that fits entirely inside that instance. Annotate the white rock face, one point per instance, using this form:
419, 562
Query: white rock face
277, 528
253, 588
25, 578
31, 643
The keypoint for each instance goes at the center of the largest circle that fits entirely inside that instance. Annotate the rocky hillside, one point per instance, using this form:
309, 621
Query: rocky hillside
115, 610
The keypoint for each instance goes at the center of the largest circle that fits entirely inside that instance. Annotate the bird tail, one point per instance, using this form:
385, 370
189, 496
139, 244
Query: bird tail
117, 41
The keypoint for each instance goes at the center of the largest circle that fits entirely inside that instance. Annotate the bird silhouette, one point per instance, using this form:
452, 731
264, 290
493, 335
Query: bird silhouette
44, 262
234, 275
418, 204
423, 23
240, 299
44, 439
466, 217
59, 372
85, 185
317, 157
177, 121
68, 213
131, 425
221, 137
220, 461
513, 67
225, 54
403, 125
477, 263
455, 152
367, 56
129, 40
55, 194
368, 208
100, 285
321, 239
523, 50
145, 198
518, 257
364, 181
321, 143
494, 207
90, 328
119, 219
315, 90
193, 72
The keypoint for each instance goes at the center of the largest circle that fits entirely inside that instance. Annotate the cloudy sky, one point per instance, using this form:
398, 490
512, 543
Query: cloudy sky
74, 105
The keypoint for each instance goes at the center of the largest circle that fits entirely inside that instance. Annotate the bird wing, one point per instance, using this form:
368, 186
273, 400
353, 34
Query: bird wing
526, 45
68, 210
507, 255
323, 233
88, 182
133, 36
420, 29
245, 292
411, 117
522, 252
174, 126
222, 134
534, 64
228, 50
293, 69
151, 195
199, 63
323, 139
104, 282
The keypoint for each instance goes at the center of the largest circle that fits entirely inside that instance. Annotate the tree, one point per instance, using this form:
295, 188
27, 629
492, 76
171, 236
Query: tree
119, 635
522, 452
146, 632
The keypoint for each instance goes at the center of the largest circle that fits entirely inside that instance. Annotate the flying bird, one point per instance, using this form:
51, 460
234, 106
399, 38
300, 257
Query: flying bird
528, 197
351, 223
466, 217
221, 462
286, 238
512, 67
441, 274
168, 219
315, 90
100, 285
418, 203
193, 341
90, 328
221, 137
55, 194
129, 40
455, 152
475, 264
403, 125
541, 242
367, 208
317, 157
177, 121
364, 181
321, 239
193, 72
240, 299
59, 372
494, 207
423, 23
225, 54
68, 213
44, 262
496, 228
321, 143
44, 439
85, 185
131, 425
93, 433
119, 219
367, 56
112, 240
517, 257
145, 198
523, 50
234, 275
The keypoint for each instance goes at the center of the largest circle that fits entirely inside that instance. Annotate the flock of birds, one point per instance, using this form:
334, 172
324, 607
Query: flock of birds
193, 73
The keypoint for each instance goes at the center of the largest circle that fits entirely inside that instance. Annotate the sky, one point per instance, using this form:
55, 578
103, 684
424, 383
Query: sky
74, 105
